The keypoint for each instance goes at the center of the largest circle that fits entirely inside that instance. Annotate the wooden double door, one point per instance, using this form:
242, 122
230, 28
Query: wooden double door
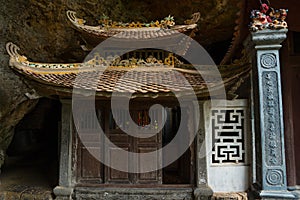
89, 170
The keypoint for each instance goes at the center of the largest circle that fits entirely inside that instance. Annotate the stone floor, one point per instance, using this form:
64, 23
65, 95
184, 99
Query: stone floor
26, 178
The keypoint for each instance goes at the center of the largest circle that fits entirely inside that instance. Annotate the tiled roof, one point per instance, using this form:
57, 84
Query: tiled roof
141, 81
129, 33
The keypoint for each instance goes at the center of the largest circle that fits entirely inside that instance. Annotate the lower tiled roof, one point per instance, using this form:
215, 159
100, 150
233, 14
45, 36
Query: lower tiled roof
139, 81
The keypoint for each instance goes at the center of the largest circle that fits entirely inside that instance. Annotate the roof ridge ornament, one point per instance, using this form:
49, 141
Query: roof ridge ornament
95, 61
195, 18
12, 50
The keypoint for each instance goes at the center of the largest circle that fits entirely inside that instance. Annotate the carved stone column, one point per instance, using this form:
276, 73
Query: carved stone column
270, 152
64, 190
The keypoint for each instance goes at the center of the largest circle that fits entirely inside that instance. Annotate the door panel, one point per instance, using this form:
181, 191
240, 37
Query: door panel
154, 161
113, 175
90, 166
89, 169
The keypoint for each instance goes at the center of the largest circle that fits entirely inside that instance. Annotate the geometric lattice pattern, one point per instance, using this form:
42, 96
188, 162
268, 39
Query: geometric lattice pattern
228, 136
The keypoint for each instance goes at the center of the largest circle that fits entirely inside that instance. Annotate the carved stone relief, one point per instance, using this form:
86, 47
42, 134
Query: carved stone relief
268, 60
271, 119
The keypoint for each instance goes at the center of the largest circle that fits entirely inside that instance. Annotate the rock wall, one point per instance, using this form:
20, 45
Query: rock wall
41, 30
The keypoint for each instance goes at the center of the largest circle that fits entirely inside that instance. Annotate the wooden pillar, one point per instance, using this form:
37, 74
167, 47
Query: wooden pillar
269, 127
65, 188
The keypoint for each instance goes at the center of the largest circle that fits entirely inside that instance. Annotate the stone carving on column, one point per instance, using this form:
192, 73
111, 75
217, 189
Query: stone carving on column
271, 118
270, 156
275, 177
268, 60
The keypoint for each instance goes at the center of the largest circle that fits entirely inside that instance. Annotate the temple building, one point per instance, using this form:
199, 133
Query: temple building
149, 115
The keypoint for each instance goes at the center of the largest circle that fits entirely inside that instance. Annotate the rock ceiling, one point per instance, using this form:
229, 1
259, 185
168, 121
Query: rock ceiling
41, 29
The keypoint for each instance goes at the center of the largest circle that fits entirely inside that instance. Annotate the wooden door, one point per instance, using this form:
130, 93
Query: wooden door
89, 170
132, 144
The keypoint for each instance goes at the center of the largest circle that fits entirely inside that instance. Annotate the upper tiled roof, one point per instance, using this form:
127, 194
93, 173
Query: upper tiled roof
133, 32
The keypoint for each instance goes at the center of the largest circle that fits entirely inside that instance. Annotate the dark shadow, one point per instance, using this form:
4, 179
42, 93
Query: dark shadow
32, 160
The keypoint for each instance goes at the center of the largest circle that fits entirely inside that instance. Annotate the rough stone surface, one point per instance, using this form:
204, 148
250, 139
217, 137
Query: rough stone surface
27, 194
230, 196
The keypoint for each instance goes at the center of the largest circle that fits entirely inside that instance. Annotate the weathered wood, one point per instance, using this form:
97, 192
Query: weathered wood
287, 89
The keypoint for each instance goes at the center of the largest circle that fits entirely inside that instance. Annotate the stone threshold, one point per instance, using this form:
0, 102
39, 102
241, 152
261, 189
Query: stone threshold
133, 193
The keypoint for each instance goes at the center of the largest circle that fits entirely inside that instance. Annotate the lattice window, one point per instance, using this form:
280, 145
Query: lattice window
228, 136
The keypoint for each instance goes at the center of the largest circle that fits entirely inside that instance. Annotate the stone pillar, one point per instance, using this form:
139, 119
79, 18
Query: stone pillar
270, 151
202, 190
65, 188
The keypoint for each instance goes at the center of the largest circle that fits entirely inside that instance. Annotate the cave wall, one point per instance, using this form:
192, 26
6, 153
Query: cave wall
40, 28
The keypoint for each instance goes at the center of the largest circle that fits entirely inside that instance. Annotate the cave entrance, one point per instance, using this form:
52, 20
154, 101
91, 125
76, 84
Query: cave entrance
32, 157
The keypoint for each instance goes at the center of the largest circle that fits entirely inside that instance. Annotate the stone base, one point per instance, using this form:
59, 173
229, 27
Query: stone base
264, 194
133, 193
63, 193
203, 193
295, 190
230, 196
296, 193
